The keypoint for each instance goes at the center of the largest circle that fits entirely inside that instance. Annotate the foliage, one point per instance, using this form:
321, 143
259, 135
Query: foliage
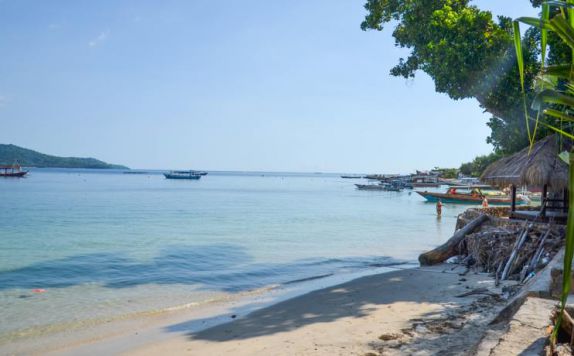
479, 164
447, 173
10, 154
467, 53
554, 103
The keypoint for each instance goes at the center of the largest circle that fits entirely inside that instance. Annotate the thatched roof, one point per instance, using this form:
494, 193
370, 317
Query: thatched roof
539, 167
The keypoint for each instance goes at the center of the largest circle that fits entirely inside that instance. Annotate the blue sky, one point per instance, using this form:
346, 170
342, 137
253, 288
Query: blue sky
225, 85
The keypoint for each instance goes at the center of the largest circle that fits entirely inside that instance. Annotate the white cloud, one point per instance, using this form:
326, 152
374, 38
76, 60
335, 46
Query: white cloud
54, 26
102, 37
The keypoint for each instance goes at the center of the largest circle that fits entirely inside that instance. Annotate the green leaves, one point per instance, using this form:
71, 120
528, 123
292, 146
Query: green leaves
563, 28
555, 102
534, 22
518, 48
559, 115
550, 96
569, 249
520, 61
562, 71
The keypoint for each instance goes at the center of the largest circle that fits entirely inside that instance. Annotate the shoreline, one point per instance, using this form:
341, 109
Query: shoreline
343, 318
213, 311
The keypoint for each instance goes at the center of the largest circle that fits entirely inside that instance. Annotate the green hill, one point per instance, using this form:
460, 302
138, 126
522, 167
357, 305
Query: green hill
10, 154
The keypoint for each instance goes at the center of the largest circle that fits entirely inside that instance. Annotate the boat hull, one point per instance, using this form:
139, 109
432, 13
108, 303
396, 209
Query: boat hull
177, 176
14, 174
465, 199
377, 187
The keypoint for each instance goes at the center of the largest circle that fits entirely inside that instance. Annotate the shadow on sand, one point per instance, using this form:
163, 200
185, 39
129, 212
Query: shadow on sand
355, 299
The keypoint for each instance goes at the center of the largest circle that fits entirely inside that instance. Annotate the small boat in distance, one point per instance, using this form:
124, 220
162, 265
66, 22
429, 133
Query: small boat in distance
351, 177
370, 187
12, 171
183, 175
388, 187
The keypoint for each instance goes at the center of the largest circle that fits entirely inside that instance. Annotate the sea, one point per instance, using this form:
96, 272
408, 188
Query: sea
81, 246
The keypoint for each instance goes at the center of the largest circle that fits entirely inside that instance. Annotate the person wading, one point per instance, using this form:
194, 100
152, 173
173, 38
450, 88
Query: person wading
484, 202
439, 207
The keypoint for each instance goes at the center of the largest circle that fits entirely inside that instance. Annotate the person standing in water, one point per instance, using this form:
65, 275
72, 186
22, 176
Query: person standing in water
439, 207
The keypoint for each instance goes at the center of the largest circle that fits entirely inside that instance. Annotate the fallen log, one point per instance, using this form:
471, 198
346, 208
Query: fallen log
448, 249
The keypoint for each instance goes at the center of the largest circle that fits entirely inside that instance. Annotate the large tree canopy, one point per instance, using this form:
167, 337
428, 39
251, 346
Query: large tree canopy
467, 53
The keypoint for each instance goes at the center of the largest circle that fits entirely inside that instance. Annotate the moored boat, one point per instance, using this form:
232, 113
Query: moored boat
474, 196
12, 171
183, 175
383, 186
370, 187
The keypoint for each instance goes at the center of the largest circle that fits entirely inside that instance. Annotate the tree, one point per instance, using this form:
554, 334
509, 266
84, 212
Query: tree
448, 173
468, 55
478, 165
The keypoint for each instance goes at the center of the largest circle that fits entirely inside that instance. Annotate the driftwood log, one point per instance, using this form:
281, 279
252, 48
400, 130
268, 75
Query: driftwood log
448, 249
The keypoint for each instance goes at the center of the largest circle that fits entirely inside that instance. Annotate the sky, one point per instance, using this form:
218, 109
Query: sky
246, 85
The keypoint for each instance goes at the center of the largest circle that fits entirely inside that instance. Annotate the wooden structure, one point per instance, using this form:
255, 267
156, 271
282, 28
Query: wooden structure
537, 167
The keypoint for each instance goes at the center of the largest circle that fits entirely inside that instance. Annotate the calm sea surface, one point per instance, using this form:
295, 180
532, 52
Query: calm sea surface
102, 244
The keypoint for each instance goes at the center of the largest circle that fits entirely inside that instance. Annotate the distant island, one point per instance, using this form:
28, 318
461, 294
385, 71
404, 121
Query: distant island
10, 154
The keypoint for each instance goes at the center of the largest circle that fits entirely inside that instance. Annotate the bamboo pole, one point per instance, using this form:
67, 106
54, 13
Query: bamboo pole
515, 249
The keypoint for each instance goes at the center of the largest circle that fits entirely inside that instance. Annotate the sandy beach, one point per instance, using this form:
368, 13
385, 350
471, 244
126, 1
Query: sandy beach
414, 311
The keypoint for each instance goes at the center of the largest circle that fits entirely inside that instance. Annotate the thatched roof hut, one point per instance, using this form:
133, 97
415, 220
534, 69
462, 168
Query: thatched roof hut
539, 167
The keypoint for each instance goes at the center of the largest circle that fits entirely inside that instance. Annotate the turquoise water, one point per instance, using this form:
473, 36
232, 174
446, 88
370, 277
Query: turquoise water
103, 244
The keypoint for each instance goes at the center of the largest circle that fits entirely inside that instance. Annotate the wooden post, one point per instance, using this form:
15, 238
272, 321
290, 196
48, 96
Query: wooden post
544, 197
513, 206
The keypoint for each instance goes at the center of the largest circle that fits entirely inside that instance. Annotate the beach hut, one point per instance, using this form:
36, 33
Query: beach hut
537, 167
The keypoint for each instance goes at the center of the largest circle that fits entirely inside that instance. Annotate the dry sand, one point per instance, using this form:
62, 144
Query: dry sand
411, 311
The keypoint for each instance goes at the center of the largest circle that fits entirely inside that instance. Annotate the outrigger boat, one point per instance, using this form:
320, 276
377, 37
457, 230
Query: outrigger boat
183, 175
12, 171
472, 195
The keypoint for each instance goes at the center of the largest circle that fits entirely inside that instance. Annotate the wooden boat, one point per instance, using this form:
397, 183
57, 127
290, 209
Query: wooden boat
474, 196
370, 187
12, 171
182, 175
384, 187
